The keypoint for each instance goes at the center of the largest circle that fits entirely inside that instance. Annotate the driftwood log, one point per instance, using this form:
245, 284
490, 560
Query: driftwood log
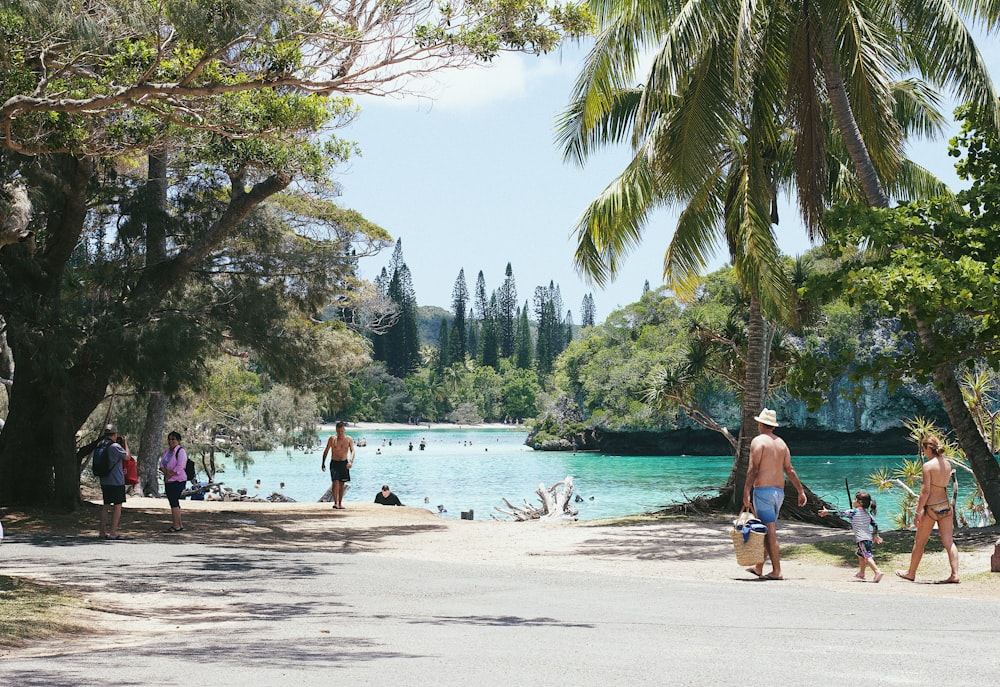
555, 504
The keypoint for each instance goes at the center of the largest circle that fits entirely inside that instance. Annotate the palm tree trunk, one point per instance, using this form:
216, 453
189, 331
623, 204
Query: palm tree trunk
754, 392
843, 114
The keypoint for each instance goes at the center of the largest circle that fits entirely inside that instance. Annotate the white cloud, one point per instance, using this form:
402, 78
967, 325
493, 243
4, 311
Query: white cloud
510, 77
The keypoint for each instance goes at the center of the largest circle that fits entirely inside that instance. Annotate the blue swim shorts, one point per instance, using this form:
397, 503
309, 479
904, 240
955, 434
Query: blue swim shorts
767, 502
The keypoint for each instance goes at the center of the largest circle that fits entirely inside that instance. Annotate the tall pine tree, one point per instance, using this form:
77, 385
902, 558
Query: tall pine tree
523, 356
490, 342
399, 346
507, 313
459, 302
588, 313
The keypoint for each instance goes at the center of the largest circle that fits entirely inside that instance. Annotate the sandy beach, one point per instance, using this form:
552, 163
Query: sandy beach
689, 548
263, 594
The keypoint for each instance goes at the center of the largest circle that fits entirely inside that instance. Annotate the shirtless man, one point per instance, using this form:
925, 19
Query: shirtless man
341, 450
770, 461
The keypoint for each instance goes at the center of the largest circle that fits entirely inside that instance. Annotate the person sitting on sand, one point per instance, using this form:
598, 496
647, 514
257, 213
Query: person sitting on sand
933, 507
386, 497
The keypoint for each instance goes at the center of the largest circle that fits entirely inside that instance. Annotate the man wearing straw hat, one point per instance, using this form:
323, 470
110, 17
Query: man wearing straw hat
770, 461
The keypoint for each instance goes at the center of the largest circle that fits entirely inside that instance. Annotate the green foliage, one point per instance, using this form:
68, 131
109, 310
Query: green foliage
932, 261
908, 477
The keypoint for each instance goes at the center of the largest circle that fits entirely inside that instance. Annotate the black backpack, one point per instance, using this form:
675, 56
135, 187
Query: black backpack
190, 471
101, 464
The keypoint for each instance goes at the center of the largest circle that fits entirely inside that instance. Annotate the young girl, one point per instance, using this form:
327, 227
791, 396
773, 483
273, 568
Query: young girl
865, 531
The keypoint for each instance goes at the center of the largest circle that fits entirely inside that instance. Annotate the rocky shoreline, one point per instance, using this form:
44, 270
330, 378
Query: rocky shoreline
700, 442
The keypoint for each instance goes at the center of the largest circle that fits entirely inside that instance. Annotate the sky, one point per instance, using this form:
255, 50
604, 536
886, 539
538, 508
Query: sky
469, 177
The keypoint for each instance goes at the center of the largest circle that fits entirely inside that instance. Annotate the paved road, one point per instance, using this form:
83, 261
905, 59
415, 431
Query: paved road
214, 615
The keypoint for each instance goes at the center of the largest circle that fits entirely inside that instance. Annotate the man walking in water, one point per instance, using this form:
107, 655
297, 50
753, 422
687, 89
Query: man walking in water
770, 461
341, 450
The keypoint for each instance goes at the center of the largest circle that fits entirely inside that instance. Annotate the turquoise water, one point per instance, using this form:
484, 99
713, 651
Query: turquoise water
464, 469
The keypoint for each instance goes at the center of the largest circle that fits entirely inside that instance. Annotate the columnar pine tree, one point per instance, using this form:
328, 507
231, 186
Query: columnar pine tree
402, 340
523, 357
491, 336
548, 338
588, 313
507, 313
459, 302
480, 301
378, 339
473, 326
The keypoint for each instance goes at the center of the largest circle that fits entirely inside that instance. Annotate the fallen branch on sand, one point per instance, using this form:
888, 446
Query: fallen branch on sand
555, 504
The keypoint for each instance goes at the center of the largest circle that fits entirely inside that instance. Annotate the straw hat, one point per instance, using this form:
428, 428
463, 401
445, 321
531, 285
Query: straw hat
767, 417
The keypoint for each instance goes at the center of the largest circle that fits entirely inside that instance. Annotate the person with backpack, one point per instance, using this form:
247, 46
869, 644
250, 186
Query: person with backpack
174, 464
107, 465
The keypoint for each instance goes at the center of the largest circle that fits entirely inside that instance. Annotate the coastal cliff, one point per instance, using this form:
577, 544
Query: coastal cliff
700, 442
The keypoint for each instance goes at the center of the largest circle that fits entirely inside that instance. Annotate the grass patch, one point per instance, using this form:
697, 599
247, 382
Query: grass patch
33, 611
892, 553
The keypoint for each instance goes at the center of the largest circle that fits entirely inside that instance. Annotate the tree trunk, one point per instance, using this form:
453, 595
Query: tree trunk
149, 449
754, 393
981, 460
843, 115
40, 465
984, 465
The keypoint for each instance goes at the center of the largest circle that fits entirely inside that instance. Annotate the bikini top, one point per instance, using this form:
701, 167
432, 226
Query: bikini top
945, 485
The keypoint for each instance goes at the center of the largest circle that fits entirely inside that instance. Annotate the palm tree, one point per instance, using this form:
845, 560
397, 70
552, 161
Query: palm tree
714, 129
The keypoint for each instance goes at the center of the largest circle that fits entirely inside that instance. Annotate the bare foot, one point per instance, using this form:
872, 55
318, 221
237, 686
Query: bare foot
772, 576
951, 580
861, 576
879, 576
900, 573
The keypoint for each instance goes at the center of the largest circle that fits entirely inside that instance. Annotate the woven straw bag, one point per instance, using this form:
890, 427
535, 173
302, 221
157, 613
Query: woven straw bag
751, 551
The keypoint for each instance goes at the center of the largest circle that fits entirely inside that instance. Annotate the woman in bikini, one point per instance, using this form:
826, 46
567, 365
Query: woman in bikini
933, 507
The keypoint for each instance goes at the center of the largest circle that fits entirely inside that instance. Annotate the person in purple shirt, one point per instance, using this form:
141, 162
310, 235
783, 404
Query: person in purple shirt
172, 464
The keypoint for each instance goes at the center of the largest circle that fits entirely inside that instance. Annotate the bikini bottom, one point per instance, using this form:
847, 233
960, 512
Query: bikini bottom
937, 511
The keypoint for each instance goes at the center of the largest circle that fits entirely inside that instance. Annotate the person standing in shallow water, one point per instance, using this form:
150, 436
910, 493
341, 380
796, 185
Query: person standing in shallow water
770, 461
341, 450
933, 507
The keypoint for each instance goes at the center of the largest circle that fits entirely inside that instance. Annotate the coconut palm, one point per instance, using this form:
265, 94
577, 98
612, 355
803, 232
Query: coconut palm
715, 129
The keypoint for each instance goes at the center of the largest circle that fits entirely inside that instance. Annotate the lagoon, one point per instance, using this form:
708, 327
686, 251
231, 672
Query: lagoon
465, 469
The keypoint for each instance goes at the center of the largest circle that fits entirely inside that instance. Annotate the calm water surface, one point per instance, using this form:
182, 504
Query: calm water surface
464, 469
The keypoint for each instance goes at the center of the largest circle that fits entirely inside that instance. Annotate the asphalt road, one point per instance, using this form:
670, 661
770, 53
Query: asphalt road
196, 614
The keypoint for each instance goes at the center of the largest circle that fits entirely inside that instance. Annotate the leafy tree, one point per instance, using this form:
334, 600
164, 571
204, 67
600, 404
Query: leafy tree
519, 392
721, 136
932, 264
227, 95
